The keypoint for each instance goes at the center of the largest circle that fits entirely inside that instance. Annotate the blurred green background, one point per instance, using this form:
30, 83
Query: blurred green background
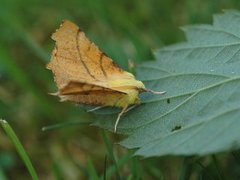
126, 31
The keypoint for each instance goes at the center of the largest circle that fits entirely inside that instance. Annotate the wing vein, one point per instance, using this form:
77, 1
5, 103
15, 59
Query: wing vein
80, 56
101, 65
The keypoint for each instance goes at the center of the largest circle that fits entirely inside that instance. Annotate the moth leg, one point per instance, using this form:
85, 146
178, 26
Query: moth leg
154, 92
118, 118
94, 109
130, 108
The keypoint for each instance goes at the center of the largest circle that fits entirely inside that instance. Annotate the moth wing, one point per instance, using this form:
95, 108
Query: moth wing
75, 57
86, 93
85, 88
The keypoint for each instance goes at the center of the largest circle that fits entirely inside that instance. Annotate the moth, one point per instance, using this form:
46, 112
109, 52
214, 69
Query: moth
86, 75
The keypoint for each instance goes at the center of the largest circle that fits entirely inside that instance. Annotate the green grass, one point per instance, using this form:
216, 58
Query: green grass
125, 30
20, 149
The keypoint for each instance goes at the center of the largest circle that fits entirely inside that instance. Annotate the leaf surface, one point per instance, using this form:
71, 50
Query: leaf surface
200, 113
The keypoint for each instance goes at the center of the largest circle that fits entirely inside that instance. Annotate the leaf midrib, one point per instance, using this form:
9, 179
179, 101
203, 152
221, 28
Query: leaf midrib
197, 47
185, 74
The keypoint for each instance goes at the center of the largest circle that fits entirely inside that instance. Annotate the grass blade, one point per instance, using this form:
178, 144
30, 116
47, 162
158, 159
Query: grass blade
218, 168
62, 125
110, 152
186, 168
91, 170
20, 149
105, 168
112, 169
134, 168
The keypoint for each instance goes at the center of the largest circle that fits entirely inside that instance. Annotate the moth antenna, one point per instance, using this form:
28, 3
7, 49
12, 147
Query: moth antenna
118, 118
154, 92
94, 109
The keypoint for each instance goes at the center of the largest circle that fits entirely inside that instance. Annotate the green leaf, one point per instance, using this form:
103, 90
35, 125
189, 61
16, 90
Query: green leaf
200, 112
